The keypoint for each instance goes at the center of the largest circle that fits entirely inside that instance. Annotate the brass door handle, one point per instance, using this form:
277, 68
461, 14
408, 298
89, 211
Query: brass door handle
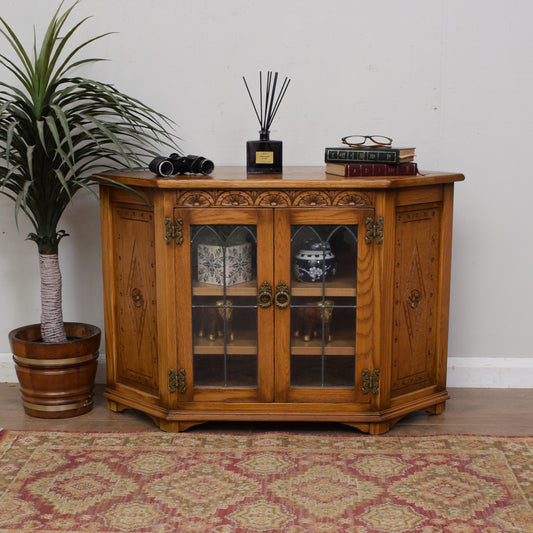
282, 298
264, 296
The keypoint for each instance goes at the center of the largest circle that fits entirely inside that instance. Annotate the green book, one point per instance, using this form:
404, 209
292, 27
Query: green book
371, 155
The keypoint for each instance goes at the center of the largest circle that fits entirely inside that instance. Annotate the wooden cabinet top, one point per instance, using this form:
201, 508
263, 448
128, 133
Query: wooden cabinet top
292, 178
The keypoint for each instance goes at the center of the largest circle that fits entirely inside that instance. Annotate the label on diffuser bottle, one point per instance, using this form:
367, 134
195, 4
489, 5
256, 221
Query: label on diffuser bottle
264, 158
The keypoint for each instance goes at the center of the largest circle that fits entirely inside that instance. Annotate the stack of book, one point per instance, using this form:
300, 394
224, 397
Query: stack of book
359, 162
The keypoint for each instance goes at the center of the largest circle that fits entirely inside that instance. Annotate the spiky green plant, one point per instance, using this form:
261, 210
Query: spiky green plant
57, 131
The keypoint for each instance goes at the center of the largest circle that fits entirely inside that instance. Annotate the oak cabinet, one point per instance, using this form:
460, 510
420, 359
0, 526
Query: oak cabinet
301, 297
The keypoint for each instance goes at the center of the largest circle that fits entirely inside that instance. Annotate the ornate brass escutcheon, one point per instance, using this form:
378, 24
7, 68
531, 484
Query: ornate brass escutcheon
264, 296
374, 230
282, 298
176, 381
173, 230
172, 381
180, 381
370, 381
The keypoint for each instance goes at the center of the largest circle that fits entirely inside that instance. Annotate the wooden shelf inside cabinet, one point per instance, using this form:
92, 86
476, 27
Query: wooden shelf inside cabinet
339, 346
344, 284
244, 344
338, 287
248, 288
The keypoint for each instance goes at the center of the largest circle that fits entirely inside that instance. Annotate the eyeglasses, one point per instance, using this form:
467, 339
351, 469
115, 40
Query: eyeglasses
356, 141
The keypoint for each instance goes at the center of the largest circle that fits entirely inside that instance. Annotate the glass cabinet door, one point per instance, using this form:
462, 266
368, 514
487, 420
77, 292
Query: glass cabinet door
327, 347
323, 305
224, 305
223, 256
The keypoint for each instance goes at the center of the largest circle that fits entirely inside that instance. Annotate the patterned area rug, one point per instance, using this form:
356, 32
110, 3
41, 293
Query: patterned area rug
267, 482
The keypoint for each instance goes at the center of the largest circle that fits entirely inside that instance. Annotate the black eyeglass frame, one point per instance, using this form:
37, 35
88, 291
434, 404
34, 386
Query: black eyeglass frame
386, 141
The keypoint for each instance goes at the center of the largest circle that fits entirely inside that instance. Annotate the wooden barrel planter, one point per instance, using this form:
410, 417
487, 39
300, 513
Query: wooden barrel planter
56, 379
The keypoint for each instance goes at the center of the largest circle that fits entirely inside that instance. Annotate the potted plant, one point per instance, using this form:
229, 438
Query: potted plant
57, 131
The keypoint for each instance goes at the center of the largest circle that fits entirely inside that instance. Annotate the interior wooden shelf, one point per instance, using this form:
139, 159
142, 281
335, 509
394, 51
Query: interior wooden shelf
338, 287
244, 344
338, 346
248, 288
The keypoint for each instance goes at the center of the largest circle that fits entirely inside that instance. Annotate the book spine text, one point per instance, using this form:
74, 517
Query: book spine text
335, 155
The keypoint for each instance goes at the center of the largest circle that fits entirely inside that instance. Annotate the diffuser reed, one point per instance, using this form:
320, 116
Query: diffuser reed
265, 156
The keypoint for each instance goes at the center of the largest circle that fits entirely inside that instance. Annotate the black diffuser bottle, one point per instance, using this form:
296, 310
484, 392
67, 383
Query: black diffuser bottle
265, 156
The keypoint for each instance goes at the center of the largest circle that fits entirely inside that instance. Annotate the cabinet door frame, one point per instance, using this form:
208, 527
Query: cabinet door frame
365, 346
263, 220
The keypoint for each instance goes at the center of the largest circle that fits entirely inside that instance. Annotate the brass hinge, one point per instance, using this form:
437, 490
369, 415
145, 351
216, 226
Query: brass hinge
374, 230
176, 381
370, 381
173, 230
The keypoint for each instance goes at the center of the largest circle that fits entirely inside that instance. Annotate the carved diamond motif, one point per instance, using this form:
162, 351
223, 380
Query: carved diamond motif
138, 307
414, 295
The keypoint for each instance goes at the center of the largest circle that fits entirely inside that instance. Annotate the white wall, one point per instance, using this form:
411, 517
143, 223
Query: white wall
452, 78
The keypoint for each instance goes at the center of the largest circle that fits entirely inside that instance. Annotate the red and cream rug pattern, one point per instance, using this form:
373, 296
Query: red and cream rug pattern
264, 482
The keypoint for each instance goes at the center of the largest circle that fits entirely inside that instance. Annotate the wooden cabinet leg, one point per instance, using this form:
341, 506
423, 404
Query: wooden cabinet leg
170, 426
375, 428
174, 426
115, 406
379, 428
436, 409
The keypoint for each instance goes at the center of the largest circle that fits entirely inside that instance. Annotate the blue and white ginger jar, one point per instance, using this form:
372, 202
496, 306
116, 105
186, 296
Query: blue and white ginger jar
314, 261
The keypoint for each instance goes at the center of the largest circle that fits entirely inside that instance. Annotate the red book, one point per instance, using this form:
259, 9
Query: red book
362, 170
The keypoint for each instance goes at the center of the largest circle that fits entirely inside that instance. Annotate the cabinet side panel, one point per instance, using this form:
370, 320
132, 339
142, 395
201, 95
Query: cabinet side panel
135, 283
416, 277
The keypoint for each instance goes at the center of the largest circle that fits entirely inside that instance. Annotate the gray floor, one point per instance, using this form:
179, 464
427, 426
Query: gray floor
469, 411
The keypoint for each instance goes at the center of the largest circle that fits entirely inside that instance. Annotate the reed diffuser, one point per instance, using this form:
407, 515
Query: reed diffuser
266, 156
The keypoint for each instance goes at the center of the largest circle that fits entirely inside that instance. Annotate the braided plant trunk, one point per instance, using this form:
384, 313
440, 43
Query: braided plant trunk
52, 327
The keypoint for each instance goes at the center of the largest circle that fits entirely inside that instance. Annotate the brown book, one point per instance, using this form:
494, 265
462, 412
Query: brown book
361, 170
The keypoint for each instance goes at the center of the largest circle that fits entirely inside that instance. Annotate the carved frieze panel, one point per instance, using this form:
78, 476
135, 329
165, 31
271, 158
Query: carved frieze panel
233, 198
195, 198
272, 198
351, 198
312, 198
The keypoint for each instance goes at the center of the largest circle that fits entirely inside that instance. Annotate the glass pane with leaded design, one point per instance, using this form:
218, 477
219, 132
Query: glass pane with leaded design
224, 305
323, 305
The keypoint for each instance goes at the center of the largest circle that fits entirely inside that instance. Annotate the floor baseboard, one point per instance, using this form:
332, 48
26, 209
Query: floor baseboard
491, 372
480, 372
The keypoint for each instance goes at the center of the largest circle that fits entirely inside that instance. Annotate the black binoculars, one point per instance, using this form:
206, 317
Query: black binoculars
177, 164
